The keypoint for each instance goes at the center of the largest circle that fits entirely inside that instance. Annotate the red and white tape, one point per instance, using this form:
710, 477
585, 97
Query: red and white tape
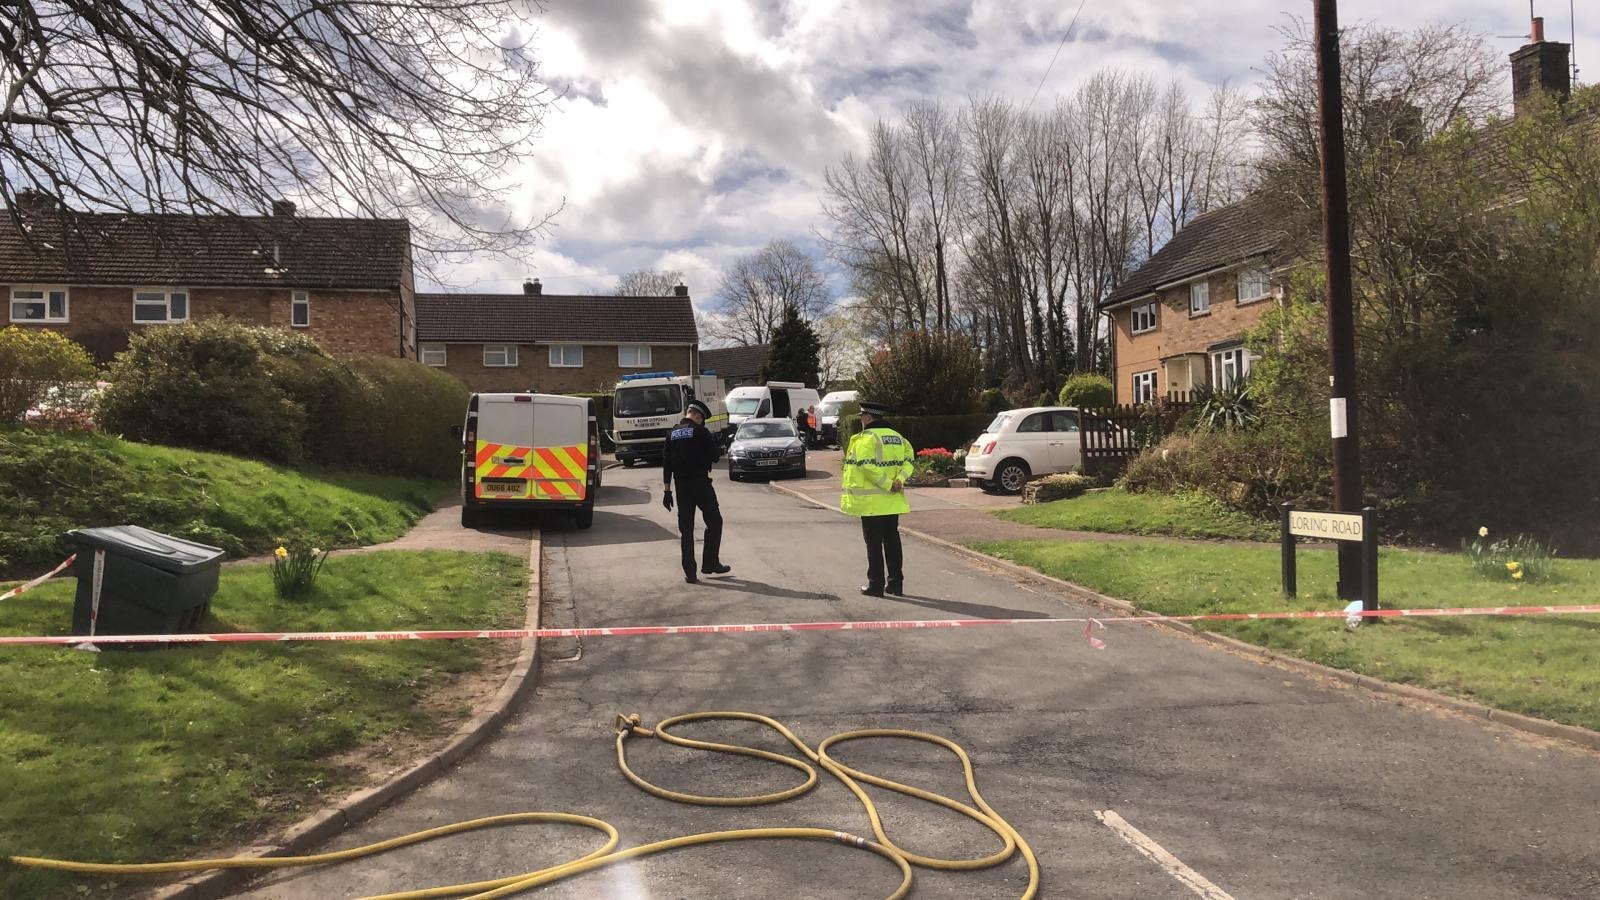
29, 585
877, 625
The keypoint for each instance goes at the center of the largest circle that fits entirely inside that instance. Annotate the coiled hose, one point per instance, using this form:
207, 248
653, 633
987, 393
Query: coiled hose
630, 726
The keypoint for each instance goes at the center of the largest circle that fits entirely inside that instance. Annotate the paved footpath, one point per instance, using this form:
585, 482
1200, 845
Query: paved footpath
1267, 783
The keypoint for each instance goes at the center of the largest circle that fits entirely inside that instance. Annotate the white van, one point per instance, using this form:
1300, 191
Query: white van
773, 400
828, 413
529, 451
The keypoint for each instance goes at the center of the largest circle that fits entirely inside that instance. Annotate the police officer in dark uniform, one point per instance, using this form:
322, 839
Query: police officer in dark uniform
688, 455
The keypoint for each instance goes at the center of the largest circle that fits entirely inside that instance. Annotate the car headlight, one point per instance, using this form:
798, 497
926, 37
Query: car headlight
795, 451
736, 452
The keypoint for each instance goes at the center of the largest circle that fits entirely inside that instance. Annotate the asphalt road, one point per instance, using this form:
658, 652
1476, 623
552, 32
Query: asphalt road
1267, 783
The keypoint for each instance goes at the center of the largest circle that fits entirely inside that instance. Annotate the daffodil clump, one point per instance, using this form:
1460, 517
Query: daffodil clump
295, 568
1515, 559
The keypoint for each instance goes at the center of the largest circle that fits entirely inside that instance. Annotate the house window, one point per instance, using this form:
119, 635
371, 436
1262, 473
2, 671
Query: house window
632, 356
160, 305
1199, 297
1228, 366
499, 355
566, 356
1144, 386
1253, 285
300, 310
38, 304
434, 355
1144, 318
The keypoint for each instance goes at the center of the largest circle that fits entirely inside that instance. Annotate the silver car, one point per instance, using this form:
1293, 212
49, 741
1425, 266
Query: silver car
766, 447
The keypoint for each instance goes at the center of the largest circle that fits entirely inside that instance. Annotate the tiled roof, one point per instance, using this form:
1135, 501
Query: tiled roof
735, 362
1224, 236
221, 251
533, 318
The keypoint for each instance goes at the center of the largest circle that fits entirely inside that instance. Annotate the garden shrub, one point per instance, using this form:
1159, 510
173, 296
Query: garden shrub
938, 461
992, 400
40, 366
940, 431
409, 408
1087, 389
923, 373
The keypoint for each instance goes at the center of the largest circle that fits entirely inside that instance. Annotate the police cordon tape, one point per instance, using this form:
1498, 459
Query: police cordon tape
1089, 622
30, 585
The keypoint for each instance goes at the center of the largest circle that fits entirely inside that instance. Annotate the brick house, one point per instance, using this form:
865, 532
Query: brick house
1178, 322
555, 343
736, 365
98, 277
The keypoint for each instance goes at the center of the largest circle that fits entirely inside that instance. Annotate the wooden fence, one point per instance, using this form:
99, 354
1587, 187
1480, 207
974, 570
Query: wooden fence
1113, 435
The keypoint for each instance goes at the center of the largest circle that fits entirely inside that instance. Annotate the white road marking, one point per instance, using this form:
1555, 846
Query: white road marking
1158, 854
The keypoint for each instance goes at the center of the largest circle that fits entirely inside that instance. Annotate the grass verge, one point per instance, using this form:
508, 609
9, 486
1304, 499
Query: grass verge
140, 756
1547, 666
52, 482
1116, 511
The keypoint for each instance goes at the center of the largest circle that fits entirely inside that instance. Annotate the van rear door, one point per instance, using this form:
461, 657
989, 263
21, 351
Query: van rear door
560, 448
504, 448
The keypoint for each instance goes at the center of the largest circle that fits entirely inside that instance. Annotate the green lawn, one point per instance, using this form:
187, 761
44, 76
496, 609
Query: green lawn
137, 756
1118, 511
1546, 666
52, 482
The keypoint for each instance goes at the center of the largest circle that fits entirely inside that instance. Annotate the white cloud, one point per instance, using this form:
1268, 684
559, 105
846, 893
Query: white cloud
693, 132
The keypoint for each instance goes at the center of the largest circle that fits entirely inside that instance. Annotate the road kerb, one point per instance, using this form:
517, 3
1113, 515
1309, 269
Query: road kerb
317, 828
1542, 727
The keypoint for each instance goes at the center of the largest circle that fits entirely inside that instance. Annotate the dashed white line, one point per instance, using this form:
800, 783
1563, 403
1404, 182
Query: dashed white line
1158, 854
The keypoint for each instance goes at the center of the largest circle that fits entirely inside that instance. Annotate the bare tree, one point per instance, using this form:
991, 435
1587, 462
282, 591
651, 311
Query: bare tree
648, 283
871, 204
933, 145
408, 109
754, 292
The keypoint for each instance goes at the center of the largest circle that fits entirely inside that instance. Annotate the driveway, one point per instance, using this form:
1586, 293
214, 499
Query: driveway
1267, 783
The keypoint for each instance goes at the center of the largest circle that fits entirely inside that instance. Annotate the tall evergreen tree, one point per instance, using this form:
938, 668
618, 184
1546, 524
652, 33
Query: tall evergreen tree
795, 351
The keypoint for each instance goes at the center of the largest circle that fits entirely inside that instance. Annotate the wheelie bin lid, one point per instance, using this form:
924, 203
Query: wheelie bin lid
154, 549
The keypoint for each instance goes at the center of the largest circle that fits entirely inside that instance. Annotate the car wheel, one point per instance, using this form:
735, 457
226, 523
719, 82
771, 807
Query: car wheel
584, 518
802, 474
1010, 476
627, 462
470, 518
735, 476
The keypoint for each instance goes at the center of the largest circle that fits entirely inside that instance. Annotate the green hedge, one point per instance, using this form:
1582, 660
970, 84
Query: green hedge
950, 432
603, 406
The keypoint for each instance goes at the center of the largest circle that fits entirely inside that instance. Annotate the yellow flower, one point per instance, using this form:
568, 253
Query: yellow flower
1517, 575
1513, 567
1483, 531
315, 550
280, 553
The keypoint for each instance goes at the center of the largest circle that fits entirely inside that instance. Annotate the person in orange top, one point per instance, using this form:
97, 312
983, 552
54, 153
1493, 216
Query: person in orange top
811, 418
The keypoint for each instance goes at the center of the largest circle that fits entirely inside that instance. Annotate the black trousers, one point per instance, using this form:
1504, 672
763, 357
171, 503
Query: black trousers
882, 534
701, 496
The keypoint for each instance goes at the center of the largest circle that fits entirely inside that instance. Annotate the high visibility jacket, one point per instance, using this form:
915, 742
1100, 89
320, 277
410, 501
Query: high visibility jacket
876, 458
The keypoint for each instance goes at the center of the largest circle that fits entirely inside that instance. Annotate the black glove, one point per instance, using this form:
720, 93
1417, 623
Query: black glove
666, 499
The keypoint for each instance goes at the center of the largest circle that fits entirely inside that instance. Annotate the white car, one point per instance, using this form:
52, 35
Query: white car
1022, 443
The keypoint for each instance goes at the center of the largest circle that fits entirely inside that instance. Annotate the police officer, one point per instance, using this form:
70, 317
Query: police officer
876, 467
688, 455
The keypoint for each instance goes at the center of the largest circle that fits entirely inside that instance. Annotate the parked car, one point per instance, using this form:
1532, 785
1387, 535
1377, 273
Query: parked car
766, 447
1022, 443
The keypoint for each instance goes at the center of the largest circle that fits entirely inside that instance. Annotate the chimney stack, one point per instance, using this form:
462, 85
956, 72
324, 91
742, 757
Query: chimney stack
1540, 67
532, 288
682, 290
283, 208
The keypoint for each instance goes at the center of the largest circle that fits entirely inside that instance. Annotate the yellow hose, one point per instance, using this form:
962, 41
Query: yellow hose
629, 726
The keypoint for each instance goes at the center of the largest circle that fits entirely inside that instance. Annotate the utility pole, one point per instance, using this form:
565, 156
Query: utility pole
1342, 406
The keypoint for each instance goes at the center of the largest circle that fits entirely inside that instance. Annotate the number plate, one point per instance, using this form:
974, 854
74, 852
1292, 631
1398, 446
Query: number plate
507, 487
766, 462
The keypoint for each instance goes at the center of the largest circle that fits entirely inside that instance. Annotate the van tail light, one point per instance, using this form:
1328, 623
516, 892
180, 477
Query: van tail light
988, 448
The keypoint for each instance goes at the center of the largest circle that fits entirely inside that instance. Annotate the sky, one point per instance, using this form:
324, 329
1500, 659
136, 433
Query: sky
691, 132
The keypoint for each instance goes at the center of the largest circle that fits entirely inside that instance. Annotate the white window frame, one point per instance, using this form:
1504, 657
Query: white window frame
1154, 315
1228, 366
44, 291
559, 356
1265, 282
426, 349
646, 356
298, 299
1146, 392
506, 352
167, 293
1199, 298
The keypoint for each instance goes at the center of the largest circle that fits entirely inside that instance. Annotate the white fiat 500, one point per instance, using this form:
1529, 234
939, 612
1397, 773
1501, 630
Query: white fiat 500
1022, 443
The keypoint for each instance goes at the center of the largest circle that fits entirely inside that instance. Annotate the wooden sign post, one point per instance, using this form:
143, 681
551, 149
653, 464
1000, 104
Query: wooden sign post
1359, 528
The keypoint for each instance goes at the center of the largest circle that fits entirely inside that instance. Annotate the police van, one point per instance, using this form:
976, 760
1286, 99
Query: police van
529, 452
